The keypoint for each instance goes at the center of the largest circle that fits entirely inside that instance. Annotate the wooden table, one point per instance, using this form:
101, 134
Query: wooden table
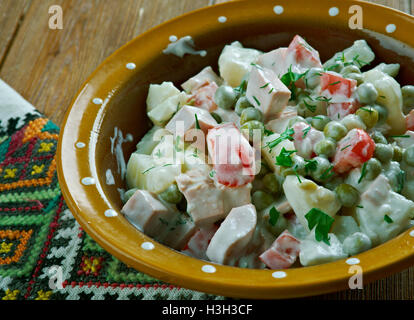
48, 66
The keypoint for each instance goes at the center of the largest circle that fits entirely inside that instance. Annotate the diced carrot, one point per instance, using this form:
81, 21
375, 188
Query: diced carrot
335, 85
198, 243
353, 150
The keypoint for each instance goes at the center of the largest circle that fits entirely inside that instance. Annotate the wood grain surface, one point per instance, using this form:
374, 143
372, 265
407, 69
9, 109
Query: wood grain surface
48, 66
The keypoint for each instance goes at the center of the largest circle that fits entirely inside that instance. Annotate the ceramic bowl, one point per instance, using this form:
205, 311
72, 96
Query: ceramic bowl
113, 100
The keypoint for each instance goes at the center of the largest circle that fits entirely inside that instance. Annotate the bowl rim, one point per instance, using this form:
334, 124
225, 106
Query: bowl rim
227, 281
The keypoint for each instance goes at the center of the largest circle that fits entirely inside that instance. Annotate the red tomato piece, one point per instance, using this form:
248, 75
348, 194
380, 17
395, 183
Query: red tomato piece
338, 111
303, 54
334, 85
282, 253
232, 156
409, 120
353, 150
203, 97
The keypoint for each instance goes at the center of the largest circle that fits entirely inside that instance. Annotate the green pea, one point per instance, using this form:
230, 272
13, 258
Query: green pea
366, 93
250, 114
216, 117
355, 76
382, 112
319, 122
398, 153
335, 130
408, 97
253, 129
225, 97
368, 115
373, 168
242, 104
337, 66
384, 152
378, 137
295, 120
352, 121
325, 147
322, 171
262, 200
356, 243
172, 194
350, 69
271, 183
408, 155
313, 77
347, 195
129, 194
264, 169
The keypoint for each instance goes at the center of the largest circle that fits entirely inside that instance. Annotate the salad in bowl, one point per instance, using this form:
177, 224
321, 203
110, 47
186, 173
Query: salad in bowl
277, 160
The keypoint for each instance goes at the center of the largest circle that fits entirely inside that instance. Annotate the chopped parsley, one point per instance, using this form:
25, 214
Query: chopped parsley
262, 87
366, 109
401, 136
346, 147
388, 219
212, 173
274, 215
310, 107
268, 132
363, 172
195, 153
158, 153
289, 79
359, 206
286, 135
284, 158
311, 165
297, 174
271, 90
323, 222
324, 99
256, 65
149, 169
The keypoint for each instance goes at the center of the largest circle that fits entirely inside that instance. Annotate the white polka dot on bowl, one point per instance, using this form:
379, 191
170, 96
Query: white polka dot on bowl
222, 19
352, 261
278, 9
207, 268
173, 38
97, 101
131, 66
80, 145
147, 246
390, 28
412, 233
279, 274
88, 181
110, 213
334, 11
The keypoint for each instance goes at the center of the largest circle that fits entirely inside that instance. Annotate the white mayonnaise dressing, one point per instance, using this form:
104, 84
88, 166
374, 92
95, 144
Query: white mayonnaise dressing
182, 46
109, 177
116, 148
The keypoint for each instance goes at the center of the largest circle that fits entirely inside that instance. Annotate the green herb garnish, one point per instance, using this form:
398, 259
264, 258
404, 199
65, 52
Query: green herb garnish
268, 132
306, 131
197, 125
286, 135
334, 83
327, 174
363, 172
284, 158
311, 165
401, 136
311, 108
257, 100
241, 89
149, 169
388, 219
346, 147
289, 79
323, 223
262, 87
400, 180
273, 216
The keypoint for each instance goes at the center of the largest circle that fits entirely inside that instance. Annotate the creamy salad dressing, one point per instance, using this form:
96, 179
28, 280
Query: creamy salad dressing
331, 183
183, 46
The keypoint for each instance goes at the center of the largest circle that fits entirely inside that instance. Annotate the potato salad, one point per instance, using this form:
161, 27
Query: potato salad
276, 160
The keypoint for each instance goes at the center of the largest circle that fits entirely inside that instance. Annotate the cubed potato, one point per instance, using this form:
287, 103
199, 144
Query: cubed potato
274, 60
270, 154
163, 112
158, 93
235, 62
207, 75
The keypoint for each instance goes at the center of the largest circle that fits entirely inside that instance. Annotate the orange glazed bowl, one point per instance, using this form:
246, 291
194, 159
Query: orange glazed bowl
113, 100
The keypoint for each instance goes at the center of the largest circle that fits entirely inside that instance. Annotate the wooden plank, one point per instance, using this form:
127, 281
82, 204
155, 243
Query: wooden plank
11, 15
48, 66
403, 5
